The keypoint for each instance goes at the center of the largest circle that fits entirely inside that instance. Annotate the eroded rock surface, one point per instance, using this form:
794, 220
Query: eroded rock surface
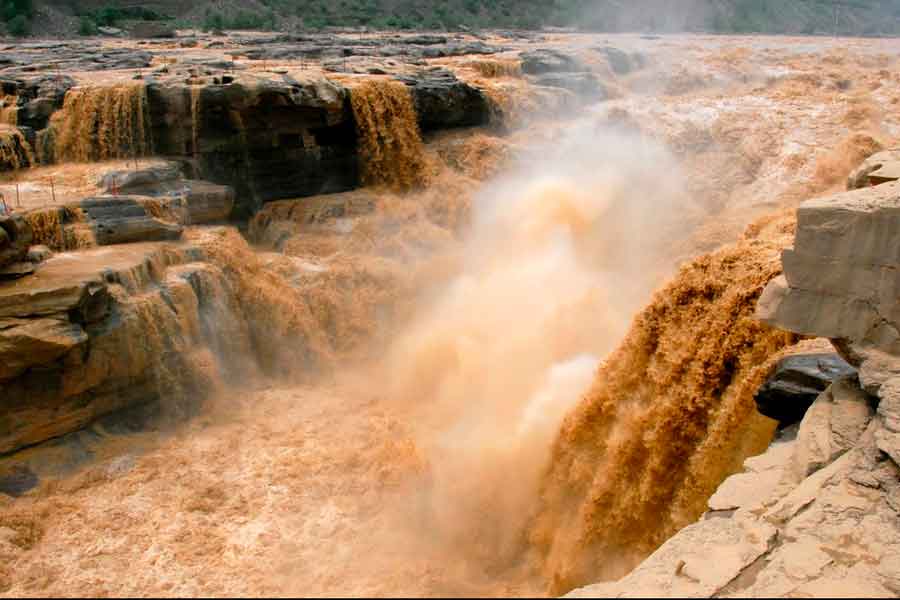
817, 515
881, 167
841, 280
814, 516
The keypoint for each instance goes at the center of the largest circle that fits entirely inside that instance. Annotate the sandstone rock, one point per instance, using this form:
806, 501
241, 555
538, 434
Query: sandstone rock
442, 101
832, 533
15, 239
881, 167
123, 220
152, 29
25, 343
831, 427
840, 279
280, 220
64, 366
699, 561
888, 437
267, 138
38, 97
795, 384
140, 180
16, 270
111, 31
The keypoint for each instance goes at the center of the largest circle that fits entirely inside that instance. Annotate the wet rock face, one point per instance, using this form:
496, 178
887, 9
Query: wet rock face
442, 101
37, 98
107, 330
270, 139
796, 383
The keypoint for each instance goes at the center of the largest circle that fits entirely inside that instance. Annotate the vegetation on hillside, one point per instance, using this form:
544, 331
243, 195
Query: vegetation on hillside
845, 17
854, 17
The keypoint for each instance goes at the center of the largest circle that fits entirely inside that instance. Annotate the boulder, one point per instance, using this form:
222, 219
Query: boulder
831, 427
15, 239
140, 180
123, 220
796, 383
881, 167
442, 101
546, 60
841, 279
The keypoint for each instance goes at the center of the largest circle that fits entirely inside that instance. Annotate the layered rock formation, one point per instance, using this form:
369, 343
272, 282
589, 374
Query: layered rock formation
144, 205
99, 331
840, 280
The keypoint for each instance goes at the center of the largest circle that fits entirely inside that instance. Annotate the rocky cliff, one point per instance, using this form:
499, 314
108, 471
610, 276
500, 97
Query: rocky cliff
817, 514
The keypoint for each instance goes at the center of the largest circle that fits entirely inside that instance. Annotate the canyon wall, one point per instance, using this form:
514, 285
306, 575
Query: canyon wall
817, 513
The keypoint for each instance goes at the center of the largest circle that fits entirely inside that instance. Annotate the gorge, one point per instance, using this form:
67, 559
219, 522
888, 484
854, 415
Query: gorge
447, 315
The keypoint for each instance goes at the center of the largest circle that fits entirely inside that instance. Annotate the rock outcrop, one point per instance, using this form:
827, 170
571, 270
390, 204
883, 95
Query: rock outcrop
817, 514
152, 204
98, 331
442, 101
15, 239
841, 280
268, 138
881, 167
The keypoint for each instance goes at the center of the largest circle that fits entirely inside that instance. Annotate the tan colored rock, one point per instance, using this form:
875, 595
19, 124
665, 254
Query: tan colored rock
32, 342
881, 167
834, 533
832, 426
15, 239
888, 437
701, 560
108, 329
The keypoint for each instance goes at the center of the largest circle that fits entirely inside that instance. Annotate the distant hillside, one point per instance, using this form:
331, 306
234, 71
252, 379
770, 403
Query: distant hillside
845, 17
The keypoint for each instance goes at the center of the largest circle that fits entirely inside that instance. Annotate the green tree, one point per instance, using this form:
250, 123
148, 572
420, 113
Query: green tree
87, 26
19, 26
